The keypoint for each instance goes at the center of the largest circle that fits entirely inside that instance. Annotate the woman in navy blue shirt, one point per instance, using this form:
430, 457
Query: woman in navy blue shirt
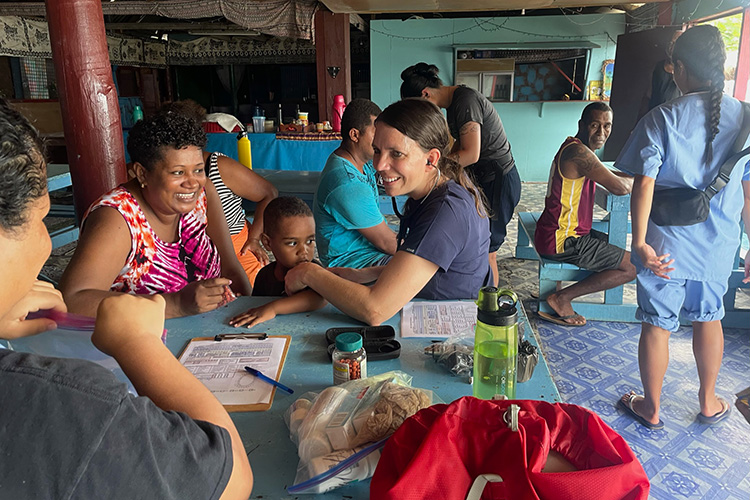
444, 232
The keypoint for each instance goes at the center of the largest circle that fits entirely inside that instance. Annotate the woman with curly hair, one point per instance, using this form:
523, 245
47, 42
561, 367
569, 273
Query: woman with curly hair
161, 232
683, 270
234, 181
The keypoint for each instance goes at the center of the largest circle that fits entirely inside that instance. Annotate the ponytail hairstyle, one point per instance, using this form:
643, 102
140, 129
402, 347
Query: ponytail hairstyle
418, 77
423, 122
701, 51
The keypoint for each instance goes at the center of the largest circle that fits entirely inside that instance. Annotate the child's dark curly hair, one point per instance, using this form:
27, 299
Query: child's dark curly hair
148, 137
281, 208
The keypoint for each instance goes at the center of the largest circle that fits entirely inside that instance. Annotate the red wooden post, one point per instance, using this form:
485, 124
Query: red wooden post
88, 98
333, 60
742, 75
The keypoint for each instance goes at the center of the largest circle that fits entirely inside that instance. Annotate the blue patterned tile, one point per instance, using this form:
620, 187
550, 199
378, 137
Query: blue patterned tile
597, 363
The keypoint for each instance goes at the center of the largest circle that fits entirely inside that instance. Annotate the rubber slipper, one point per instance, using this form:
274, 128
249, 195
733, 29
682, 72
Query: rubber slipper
560, 320
628, 407
717, 417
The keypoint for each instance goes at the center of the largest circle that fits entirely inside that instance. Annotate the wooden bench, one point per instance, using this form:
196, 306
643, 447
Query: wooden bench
58, 177
550, 272
613, 308
735, 316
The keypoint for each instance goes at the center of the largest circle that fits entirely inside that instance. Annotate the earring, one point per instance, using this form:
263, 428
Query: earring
142, 185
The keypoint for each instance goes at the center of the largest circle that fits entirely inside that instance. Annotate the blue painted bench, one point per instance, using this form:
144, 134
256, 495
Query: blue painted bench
58, 177
550, 272
735, 316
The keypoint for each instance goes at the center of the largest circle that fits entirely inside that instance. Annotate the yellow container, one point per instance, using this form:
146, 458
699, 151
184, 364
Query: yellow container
243, 150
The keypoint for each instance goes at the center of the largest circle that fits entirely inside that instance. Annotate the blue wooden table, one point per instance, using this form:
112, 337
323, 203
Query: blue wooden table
272, 454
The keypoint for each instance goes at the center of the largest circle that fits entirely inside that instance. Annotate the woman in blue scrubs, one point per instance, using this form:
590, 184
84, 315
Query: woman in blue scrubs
684, 270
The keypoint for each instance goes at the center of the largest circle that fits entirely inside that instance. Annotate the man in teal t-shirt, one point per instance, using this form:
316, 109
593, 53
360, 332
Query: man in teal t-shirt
350, 230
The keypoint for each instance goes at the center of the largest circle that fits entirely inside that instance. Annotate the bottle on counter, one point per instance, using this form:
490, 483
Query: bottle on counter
279, 118
349, 358
243, 149
337, 112
137, 114
495, 344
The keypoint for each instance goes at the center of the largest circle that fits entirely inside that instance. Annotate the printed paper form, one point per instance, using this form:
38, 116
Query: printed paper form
220, 366
438, 319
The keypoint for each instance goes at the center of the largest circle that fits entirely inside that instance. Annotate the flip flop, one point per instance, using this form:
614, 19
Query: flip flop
717, 417
560, 320
628, 407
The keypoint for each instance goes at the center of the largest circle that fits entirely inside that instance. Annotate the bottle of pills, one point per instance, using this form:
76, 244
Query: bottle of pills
349, 358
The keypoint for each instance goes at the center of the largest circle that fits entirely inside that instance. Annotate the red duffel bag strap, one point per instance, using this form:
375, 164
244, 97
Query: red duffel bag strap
438, 453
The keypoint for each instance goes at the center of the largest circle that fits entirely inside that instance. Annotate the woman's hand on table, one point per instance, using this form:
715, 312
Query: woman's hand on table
657, 263
124, 319
201, 296
254, 316
253, 245
41, 296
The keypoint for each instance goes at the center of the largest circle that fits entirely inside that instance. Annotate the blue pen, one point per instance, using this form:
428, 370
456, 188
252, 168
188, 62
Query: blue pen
269, 380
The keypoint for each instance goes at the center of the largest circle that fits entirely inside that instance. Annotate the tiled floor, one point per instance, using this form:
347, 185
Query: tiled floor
595, 364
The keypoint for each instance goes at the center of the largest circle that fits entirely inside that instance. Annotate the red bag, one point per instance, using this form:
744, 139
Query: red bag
439, 452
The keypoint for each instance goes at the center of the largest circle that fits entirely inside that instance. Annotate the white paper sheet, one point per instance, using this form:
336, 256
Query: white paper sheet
220, 366
441, 319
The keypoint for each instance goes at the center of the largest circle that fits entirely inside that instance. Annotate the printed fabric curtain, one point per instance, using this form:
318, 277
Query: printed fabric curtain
21, 37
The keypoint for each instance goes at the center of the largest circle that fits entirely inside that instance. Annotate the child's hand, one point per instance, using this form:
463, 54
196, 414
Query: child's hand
254, 316
655, 262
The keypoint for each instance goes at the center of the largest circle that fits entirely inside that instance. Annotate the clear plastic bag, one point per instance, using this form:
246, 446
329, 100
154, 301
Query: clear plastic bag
339, 431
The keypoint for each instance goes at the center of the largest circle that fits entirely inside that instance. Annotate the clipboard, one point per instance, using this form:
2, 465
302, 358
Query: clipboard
219, 361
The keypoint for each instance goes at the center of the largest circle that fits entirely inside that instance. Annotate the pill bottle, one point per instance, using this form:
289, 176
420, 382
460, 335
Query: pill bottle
349, 358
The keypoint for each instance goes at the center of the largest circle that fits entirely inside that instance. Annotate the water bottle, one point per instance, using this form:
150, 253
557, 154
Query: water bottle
243, 149
337, 111
137, 114
495, 344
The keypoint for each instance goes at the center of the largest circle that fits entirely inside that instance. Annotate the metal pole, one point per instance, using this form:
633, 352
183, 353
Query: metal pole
88, 98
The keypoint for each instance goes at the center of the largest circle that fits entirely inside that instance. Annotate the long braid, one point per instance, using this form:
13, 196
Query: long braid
701, 50
717, 58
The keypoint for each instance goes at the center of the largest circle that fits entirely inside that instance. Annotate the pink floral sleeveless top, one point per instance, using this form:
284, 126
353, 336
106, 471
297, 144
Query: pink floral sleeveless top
155, 266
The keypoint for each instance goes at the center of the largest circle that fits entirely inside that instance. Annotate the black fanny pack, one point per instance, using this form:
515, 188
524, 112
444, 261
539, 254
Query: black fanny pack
688, 206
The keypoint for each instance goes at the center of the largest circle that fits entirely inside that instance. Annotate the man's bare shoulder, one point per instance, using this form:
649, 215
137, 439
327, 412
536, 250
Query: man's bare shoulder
580, 157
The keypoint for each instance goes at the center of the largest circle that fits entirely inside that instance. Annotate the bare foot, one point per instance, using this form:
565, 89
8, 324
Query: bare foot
564, 308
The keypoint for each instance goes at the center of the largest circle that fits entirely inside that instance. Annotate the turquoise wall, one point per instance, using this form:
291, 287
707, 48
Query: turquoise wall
688, 10
535, 130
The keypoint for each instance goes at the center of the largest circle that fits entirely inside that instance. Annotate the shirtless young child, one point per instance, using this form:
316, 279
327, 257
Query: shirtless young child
289, 233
